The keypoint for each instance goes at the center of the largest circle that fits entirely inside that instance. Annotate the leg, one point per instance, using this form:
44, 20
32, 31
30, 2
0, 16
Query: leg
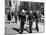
22, 26
37, 25
15, 19
30, 27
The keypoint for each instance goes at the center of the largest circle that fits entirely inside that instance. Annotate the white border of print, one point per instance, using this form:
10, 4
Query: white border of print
2, 17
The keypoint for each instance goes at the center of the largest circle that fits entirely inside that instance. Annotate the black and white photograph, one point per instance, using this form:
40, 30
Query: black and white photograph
23, 17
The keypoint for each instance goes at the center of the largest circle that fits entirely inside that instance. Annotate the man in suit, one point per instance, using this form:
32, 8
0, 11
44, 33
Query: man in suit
23, 18
37, 17
30, 18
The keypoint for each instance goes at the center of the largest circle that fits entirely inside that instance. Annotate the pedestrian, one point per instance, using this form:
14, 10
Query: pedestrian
30, 18
9, 16
23, 18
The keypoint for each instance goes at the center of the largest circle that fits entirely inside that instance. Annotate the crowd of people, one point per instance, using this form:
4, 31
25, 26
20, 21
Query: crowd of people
31, 16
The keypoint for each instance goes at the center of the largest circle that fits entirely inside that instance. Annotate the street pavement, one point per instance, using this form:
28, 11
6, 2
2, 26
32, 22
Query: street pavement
13, 28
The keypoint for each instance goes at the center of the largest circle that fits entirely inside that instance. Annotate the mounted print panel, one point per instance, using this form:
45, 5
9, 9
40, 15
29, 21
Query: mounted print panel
23, 17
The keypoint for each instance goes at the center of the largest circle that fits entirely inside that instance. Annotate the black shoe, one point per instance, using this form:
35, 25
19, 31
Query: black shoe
30, 32
37, 29
21, 32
